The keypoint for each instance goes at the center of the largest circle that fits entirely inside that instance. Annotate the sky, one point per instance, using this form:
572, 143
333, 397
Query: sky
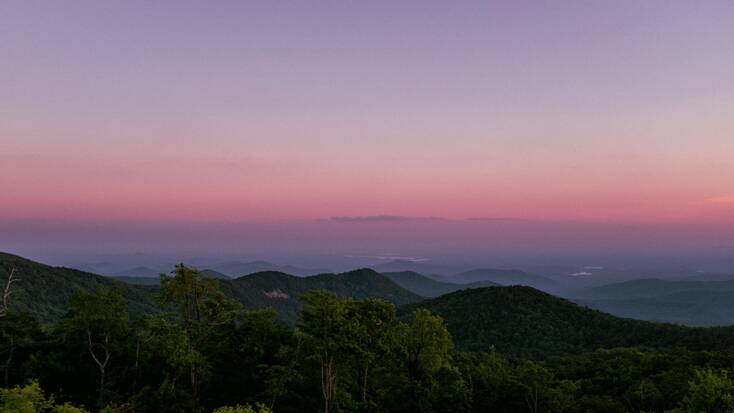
166, 116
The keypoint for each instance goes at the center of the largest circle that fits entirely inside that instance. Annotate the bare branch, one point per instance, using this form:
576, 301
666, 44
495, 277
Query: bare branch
7, 291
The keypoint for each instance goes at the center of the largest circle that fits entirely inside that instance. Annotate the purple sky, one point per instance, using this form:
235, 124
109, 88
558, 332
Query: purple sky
221, 115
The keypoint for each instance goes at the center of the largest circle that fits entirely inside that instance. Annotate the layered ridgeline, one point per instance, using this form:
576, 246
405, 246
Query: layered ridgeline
429, 287
283, 292
689, 302
514, 320
44, 291
155, 281
505, 277
523, 321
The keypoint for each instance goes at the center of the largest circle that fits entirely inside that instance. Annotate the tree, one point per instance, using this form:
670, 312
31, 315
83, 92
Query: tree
709, 392
200, 306
425, 347
101, 319
7, 292
371, 335
425, 343
19, 331
326, 330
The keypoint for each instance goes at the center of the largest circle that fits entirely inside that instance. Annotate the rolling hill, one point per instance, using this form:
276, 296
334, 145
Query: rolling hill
692, 308
428, 287
522, 321
236, 269
504, 277
282, 291
650, 287
689, 302
44, 291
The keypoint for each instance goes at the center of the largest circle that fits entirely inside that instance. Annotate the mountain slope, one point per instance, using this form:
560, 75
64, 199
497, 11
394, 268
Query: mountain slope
428, 287
44, 291
523, 321
282, 292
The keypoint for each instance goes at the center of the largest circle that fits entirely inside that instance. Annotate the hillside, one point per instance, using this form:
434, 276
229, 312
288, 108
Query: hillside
522, 321
505, 277
282, 291
428, 287
44, 291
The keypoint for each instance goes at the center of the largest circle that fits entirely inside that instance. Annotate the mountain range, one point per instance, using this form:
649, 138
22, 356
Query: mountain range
429, 287
689, 302
515, 320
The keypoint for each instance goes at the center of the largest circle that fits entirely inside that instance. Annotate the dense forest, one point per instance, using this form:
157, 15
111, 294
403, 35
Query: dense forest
191, 346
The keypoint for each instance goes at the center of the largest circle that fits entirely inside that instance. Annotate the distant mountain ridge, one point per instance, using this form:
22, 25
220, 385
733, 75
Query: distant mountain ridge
686, 301
44, 291
651, 287
235, 269
428, 287
504, 277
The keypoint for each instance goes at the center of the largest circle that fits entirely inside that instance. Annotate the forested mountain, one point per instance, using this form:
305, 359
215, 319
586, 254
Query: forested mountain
44, 291
428, 287
523, 321
283, 292
473, 350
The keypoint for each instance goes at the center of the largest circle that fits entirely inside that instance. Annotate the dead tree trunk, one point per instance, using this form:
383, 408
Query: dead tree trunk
101, 363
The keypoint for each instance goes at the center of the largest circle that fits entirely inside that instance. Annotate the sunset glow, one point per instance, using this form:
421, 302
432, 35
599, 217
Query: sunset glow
254, 112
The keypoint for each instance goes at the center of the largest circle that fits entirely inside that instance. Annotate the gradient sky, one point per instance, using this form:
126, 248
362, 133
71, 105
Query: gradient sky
237, 111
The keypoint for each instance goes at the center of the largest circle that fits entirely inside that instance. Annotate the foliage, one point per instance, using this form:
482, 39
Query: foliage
31, 399
259, 408
501, 349
710, 391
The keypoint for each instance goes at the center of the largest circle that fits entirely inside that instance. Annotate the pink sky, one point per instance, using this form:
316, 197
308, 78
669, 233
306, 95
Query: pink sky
258, 112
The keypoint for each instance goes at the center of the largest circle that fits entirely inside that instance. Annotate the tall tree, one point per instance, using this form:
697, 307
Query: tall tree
371, 336
326, 330
200, 306
101, 318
